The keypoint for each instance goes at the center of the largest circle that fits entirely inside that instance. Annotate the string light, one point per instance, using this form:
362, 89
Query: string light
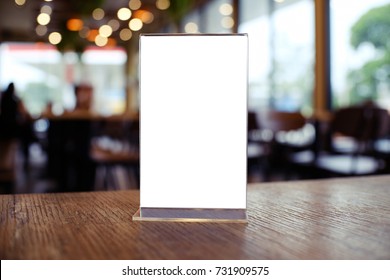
227, 22
124, 13
46, 9
74, 24
43, 19
84, 32
98, 14
41, 30
105, 30
191, 27
125, 34
163, 4
111, 42
55, 38
114, 24
20, 2
146, 16
92, 35
135, 4
101, 41
226, 9
135, 24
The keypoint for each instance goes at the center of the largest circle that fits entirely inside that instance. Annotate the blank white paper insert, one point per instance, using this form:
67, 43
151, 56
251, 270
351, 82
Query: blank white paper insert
193, 100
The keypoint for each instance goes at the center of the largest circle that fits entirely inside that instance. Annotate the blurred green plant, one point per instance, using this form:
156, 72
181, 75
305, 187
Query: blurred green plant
178, 9
372, 28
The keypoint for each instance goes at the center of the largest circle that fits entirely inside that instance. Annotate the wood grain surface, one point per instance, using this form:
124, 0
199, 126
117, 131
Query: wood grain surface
323, 219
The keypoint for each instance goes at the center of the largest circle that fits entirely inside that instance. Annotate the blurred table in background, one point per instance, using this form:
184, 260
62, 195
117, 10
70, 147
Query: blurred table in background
69, 140
316, 219
88, 115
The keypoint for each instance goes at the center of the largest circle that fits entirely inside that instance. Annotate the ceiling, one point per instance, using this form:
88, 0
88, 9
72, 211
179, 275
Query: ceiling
18, 23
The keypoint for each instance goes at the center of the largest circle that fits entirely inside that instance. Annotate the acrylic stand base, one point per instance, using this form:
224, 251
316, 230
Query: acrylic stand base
190, 215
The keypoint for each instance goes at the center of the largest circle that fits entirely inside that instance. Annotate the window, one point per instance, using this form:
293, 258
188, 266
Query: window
360, 52
42, 76
35, 70
105, 70
281, 53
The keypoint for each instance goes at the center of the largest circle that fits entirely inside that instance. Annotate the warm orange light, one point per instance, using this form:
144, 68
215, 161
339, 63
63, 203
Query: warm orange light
145, 16
74, 24
92, 35
111, 42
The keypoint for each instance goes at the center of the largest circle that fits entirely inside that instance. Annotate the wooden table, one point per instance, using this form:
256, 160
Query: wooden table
323, 219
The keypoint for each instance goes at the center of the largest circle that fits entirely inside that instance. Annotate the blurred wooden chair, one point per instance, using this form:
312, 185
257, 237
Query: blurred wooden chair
381, 146
255, 148
280, 133
349, 143
116, 156
8, 151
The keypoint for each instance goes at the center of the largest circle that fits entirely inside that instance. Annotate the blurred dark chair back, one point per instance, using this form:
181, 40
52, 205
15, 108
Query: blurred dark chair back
364, 124
115, 153
277, 121
351, 137
253, 127
270, 125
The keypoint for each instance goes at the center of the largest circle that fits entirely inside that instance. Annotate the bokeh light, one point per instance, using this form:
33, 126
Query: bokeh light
41, 30
146, 16
55, 38
163, 4
135, 24
74, 24
226, 9
124, 13
46, 9
125, 34
191, 27
98, 14
43, 19
92, 35
135, 4
227, 22
20, 2
105, 30
114, 24
101, 41
83, 33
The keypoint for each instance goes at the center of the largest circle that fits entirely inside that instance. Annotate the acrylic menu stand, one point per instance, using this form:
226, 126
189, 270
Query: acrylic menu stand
193, 127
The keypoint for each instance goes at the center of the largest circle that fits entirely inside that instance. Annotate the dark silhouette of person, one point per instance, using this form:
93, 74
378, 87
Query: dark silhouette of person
9, 114
15, 122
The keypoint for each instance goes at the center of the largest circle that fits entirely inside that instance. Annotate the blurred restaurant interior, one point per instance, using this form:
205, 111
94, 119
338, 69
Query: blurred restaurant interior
318, 92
